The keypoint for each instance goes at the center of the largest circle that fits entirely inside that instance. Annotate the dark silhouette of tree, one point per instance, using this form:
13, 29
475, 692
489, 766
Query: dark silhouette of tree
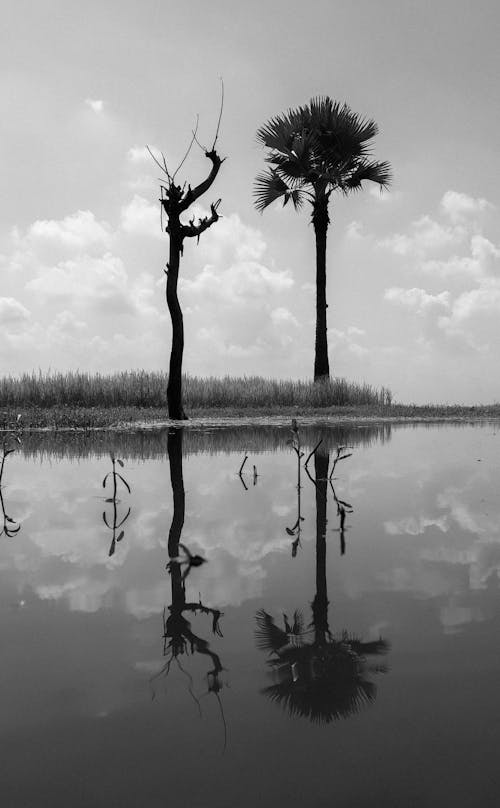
176, 201
314, 150
318, 675
178, 636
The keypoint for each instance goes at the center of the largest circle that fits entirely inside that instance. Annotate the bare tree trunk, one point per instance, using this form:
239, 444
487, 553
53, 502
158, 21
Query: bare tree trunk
174, 387
321, 221
175, 201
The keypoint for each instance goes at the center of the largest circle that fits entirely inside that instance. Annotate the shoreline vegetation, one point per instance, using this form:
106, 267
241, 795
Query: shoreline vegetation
135, 399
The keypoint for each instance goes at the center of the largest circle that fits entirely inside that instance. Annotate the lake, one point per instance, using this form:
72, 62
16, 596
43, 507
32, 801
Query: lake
187, 635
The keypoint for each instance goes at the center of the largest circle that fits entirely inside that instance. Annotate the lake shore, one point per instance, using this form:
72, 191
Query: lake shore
130, 418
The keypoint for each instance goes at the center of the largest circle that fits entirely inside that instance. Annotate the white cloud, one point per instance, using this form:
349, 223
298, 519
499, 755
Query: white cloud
78, 231
458, 206
417, 299
139, 217
241, 283
102, 278
12, 312
344, 340
95, 104
426, 236
282, 316
229, 239
354, 230
139, 154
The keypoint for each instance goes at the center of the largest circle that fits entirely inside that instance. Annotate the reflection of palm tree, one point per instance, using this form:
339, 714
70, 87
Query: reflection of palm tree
178, 636
318, 675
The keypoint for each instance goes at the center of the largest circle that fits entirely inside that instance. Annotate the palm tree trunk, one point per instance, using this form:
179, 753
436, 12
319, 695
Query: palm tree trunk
174, 387
321, 221
320, 602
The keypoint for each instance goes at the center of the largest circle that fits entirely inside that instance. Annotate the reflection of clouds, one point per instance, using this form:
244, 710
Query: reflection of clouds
63, 553
78, 545
145, 602
485, 564
428, 580
83, 594
415, 525
462, 513
456, 557
229, 581
453, 616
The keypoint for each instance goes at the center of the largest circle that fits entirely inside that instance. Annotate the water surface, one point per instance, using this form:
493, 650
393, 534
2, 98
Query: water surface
211, 654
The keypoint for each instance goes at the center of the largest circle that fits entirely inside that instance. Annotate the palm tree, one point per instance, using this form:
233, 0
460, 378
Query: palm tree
314, 150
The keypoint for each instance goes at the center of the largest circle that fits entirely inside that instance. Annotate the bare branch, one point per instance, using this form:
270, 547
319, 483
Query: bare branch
202, 147
165, 164
188, 149
220, 114
190, 230
193, 194
160, 166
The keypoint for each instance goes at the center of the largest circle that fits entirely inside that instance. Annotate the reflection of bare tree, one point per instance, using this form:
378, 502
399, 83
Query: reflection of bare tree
115, 523
318, 675
178, 636
9, 526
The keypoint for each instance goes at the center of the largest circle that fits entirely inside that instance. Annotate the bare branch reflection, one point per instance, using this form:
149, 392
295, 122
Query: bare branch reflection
10, 442
115, 523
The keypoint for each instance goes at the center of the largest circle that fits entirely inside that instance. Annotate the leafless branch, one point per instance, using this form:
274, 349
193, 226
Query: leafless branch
220, 114
188, 148
193, 194
160, 166
191, 230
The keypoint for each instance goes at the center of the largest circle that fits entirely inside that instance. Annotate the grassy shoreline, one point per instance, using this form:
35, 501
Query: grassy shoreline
92, 418
83, 401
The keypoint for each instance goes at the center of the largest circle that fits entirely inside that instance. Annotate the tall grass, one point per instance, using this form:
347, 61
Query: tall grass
149, 389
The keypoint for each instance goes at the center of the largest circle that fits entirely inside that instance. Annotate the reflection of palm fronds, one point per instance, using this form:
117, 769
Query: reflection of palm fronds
271, 638
323, 683
323, 680
323, 703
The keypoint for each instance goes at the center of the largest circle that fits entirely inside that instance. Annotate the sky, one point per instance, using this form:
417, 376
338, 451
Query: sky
413, 274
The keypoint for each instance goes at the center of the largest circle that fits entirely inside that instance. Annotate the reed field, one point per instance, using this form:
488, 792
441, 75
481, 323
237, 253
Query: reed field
146, 389
83, 401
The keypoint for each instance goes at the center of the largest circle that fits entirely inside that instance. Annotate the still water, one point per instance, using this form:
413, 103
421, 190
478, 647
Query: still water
284, 637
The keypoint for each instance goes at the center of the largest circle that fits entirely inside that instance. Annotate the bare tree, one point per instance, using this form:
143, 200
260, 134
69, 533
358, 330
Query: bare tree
175, 201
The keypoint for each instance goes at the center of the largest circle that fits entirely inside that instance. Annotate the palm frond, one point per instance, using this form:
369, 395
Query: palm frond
267, 634
379, 173
322, 145
269, 187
